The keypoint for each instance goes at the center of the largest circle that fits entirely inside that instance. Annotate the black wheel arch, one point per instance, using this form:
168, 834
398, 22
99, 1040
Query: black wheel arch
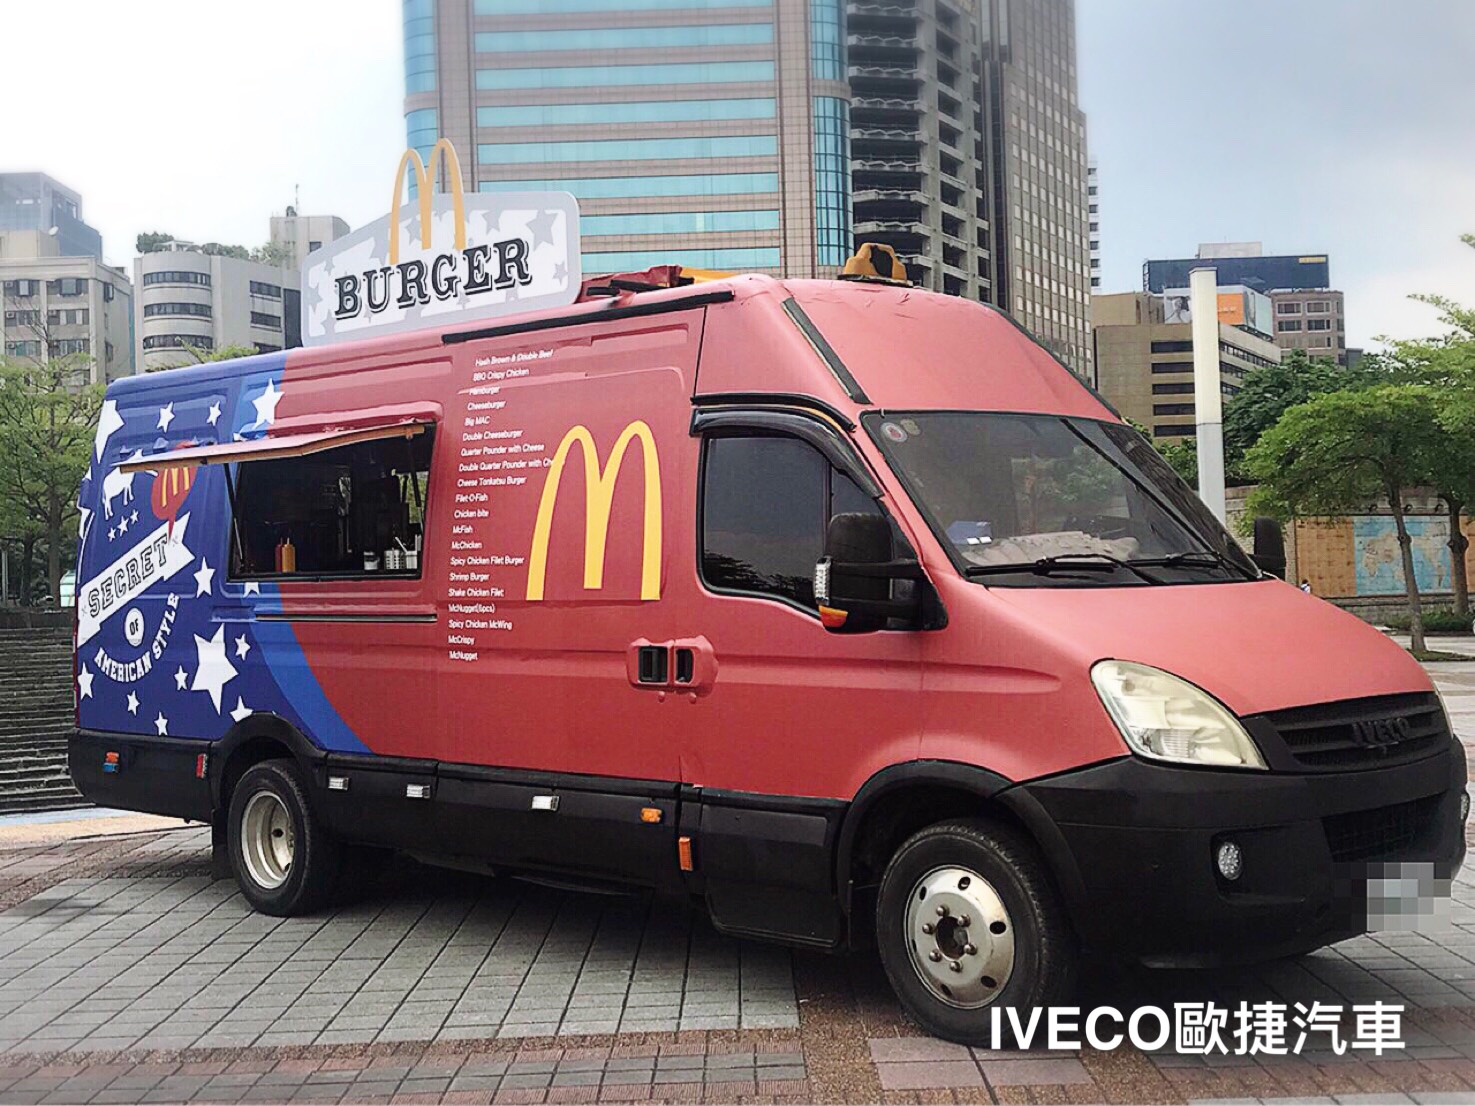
256, 738
933, 790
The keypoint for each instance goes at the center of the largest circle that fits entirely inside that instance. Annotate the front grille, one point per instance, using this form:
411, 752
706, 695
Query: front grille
1384, 831
1362, 733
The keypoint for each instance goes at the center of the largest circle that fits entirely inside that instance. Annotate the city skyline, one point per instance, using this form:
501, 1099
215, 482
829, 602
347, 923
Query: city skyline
1376, 185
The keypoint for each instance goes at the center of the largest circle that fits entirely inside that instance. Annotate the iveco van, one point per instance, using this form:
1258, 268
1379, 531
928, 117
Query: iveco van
841, 606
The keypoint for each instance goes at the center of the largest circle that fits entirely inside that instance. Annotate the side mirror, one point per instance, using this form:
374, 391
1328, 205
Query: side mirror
1269, 547
853, 581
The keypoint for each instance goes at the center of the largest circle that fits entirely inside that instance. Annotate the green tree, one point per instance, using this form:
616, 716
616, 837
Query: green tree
152, 241
193, 356
1340, 451
1268, 391
48, 411
1182, 454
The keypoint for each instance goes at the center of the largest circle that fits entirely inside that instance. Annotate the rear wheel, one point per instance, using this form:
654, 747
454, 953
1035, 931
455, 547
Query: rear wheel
285, 862
967, 918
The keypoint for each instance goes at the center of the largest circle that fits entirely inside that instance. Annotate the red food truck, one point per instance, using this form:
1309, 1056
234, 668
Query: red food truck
840, 605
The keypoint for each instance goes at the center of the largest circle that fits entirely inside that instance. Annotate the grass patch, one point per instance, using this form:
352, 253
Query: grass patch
1424, 656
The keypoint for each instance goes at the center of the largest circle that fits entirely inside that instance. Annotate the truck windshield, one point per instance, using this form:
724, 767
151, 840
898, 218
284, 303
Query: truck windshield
1040, 500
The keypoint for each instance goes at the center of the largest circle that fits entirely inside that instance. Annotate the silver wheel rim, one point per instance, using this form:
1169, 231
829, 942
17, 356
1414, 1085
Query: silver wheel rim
960, 937
268, 841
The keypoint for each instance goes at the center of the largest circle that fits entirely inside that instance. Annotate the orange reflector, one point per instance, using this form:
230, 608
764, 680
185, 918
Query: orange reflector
683, 853
650, 815
110, 758
831, 618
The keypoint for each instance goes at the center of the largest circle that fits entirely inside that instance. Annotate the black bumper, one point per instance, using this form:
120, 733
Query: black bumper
156, 775
1133, 845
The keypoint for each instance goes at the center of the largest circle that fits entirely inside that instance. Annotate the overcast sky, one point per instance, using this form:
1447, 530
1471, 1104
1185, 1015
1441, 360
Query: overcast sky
1337, 126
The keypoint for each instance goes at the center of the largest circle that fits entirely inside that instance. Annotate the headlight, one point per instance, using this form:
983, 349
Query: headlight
1166, 718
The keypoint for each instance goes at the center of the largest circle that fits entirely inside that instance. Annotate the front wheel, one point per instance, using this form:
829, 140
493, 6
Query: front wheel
967, 918
283, 859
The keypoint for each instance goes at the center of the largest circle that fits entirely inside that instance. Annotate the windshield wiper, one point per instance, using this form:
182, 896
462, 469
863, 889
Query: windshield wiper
1088, 562
1197, 558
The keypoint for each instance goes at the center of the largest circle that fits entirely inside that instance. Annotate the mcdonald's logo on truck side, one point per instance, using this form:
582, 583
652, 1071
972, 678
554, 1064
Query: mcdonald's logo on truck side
599, 494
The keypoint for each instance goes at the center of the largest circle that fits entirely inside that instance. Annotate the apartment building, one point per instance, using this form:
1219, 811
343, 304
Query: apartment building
1144, 364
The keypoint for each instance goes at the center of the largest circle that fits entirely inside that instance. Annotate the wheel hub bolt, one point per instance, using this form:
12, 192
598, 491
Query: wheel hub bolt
942, 911
970, 950
928, 928
955, 966
965, 921
935, 956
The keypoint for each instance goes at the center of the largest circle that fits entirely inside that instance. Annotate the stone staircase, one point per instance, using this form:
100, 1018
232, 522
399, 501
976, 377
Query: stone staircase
35, 718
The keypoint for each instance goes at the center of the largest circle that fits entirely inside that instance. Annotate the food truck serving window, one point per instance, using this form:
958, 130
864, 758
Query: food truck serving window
356, 510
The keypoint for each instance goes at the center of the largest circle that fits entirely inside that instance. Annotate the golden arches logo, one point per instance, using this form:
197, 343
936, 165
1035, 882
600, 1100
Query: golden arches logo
443, 155
599, 494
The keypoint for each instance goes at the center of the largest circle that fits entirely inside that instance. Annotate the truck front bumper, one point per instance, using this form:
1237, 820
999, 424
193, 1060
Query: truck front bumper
1133, 845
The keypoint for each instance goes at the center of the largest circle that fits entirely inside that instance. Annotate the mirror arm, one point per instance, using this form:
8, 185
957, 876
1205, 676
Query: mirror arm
888, 570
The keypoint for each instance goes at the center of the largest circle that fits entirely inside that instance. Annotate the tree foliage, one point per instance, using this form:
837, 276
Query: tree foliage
1268, 391
47, 417
1340, 451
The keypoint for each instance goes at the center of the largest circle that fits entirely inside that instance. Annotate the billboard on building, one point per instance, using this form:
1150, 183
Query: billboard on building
1263, 274
1241, 307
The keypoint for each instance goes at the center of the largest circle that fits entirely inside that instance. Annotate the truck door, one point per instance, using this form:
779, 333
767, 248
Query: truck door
784, 721
563, 478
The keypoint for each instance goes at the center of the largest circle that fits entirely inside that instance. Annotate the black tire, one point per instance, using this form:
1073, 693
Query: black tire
1044, 957
309, 879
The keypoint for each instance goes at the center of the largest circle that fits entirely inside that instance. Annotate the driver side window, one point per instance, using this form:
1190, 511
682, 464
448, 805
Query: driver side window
766, 504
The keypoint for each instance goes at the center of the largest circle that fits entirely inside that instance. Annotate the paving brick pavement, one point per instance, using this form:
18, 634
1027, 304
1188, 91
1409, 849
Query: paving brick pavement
126, 975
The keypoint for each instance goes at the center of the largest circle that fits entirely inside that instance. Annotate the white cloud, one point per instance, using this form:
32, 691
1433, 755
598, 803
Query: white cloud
201, 118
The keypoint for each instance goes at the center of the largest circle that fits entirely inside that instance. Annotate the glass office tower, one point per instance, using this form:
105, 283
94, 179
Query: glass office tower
712, 133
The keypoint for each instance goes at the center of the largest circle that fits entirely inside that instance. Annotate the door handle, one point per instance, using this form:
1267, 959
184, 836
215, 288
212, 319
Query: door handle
694, 665
648, 664
685, 665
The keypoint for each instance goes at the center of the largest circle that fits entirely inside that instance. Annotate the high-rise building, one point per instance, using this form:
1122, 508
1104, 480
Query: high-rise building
67, 307
1312, 321
1093, 209
1144, 363
1036, 138
187, 298
917, 151
1309, 314
57, 297
295, 236
711, 133
774, 135
41, 217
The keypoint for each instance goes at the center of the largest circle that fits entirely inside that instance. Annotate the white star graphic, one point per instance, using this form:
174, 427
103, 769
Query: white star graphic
112, 533
241, 711
166, 416
215, 669
266, 405
162, 725
204, 578
181, 678
242, 647
84, 683
132, 703
252, 588
108, 423
133, 517
214, 415
122, 526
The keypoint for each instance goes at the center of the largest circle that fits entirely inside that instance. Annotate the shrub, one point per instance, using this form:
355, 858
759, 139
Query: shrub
1435, 622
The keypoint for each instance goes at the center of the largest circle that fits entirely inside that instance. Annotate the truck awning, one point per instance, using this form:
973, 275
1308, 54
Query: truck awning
270, 448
